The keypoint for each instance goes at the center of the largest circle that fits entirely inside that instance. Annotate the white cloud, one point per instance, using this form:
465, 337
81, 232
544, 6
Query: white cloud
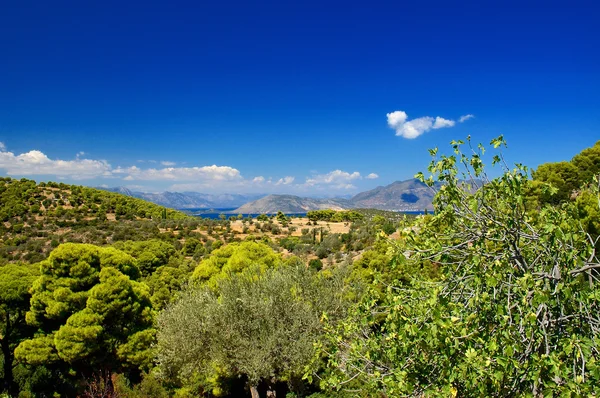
37, 163
440, 122
372, 176
415, 127
2, 147
464, 118
337, 179
285, 180
398, 120
167, 163
210, 173
257, 184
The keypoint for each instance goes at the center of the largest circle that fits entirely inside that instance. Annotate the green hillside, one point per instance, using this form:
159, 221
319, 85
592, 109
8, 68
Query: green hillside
34, 218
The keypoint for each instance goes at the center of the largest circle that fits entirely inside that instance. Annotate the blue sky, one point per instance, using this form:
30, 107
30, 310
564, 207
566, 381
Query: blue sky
289, 97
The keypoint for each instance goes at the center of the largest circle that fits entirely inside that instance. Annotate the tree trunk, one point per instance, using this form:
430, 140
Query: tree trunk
254, 392
9, 384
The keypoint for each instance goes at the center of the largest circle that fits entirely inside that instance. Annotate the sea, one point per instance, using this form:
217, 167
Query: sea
216, 213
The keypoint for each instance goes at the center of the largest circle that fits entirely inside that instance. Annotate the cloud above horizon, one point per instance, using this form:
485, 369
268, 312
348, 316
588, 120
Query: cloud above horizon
337, 179
213, 178
285, 180
37, 163
213, 173
464, 118
410, 129
440, 123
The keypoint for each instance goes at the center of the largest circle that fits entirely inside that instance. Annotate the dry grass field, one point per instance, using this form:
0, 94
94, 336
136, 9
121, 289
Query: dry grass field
297, 225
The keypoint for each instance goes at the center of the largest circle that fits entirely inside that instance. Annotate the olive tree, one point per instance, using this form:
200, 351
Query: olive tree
259, 325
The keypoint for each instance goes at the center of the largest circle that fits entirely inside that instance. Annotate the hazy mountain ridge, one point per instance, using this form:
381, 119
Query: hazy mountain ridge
291, 204
408, 195
189, 200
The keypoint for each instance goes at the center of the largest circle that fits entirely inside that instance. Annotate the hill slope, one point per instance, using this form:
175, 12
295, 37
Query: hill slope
34, 218
408, 195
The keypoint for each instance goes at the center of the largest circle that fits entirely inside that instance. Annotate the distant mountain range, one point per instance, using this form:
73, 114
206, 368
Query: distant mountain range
291, 204
189, 200
408, 195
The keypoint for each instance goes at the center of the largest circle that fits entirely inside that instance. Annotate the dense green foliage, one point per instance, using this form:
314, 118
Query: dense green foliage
15, 282
568, 177
513, 312
334, 216
234, 258
88, 313
259, 324
150, 254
